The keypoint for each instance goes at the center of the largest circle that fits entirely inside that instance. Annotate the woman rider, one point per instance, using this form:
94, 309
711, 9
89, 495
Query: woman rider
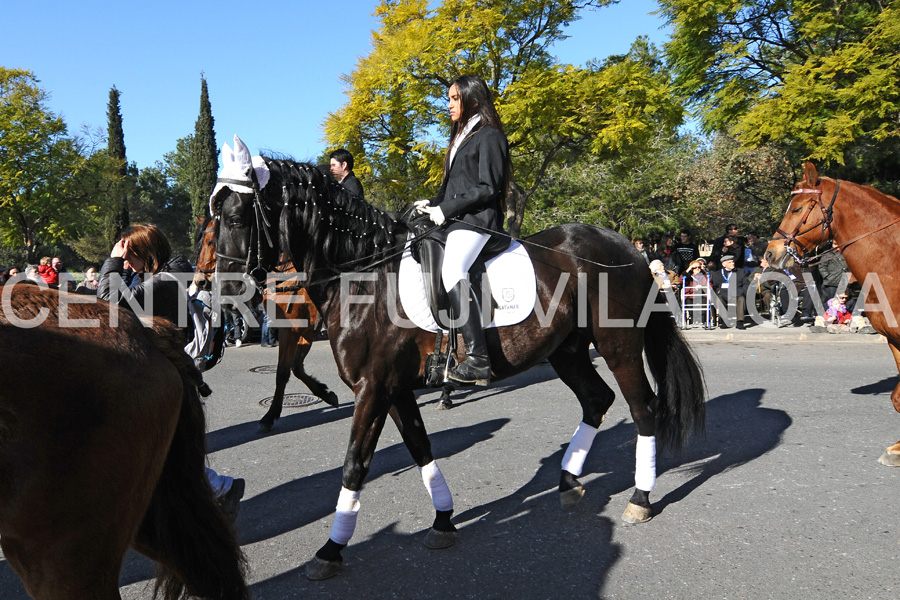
471, 202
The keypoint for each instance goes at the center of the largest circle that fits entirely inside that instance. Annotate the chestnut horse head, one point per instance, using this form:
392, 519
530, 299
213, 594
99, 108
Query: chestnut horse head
807, 223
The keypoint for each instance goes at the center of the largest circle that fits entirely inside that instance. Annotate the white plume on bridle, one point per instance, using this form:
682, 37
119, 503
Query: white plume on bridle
236, 166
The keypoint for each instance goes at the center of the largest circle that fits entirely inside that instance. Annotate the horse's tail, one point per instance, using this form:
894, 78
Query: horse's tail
184, 529
681, 406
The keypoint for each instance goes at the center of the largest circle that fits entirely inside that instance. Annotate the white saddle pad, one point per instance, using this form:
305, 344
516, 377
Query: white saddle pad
512, 285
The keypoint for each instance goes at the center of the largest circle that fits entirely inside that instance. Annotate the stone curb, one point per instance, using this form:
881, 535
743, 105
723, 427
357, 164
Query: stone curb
785, 334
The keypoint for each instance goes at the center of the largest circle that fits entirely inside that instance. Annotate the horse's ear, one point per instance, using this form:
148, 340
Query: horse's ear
227, 155
242, 153
810, 175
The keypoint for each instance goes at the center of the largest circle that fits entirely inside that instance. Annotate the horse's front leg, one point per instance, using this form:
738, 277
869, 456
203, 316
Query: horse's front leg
408, 419
369, 415
891, 456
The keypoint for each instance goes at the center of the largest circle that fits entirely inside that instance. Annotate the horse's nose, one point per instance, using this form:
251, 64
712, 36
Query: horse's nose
769, 256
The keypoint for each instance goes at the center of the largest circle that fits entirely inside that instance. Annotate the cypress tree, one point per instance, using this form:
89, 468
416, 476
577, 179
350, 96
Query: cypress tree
116, 149
204, 161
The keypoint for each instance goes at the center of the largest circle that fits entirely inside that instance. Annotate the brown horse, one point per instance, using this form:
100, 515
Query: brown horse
294, 343
593, 289
864, 225
101, 448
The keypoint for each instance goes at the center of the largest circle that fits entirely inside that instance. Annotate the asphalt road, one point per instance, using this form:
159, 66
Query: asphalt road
783, 497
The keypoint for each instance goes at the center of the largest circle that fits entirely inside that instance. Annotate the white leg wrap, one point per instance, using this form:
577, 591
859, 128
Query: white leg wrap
345, 516
576, 453
436, 486
645, 463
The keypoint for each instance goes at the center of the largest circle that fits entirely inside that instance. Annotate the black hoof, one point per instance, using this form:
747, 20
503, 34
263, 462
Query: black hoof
318, 569
331, 399
264, 428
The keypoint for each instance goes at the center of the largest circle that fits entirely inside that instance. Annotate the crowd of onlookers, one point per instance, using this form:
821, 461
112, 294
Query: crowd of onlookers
732, 273
50, 271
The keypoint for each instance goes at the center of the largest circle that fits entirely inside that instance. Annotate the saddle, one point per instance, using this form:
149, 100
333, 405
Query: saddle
428, 251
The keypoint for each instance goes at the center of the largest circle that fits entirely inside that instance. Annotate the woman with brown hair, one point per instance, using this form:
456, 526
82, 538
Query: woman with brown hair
470, 206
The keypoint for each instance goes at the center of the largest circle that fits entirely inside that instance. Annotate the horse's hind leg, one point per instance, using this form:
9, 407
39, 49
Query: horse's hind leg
315, 386
628, 369
575, 369
287, 342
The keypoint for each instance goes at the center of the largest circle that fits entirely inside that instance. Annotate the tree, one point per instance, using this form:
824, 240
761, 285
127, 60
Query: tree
395, 117
47, 184
204, 158
821, 79
115, 135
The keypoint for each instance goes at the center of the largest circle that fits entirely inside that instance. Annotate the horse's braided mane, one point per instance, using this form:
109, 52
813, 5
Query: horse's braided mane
334, 227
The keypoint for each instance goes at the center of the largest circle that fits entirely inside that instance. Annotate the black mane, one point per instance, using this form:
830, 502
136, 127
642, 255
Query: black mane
325, 226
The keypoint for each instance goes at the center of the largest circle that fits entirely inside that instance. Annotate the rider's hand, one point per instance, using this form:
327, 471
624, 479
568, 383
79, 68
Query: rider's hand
421, 205
435, 214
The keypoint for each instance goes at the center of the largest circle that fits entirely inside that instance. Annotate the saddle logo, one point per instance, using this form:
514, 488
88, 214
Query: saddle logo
509, 294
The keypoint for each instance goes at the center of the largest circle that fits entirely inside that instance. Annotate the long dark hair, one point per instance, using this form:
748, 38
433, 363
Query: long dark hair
476, 98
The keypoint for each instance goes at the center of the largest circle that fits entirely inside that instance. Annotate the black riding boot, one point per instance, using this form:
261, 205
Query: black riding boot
476, 369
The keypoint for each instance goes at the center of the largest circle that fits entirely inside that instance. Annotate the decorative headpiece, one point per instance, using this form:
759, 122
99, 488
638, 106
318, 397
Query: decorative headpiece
235, 171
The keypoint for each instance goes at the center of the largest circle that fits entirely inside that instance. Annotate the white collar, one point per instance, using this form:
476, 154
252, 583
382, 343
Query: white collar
462, 135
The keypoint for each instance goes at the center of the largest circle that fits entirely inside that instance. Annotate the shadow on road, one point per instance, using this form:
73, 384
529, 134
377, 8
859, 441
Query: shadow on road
885, 386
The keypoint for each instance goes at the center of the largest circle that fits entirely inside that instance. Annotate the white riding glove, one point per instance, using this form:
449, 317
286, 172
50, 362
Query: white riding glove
421, 205
435, 214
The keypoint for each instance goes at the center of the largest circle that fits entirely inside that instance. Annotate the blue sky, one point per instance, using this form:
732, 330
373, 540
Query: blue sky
273, 68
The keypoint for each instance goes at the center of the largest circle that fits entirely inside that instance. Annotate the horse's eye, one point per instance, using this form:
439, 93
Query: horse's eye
796, 210
235, 222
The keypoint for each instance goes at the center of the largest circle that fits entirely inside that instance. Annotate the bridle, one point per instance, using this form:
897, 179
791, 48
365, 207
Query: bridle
791, 239
254, 270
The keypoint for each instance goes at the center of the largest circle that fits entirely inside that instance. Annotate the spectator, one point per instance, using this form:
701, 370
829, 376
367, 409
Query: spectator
32, 273
7, 274
639, 245
342, 169
730, 285
835, 275
47, 272
669, 257
665, 279
66, 281
687, 250
719, 248
732, 246
696, 289
837, 315
269, 335
757, 245
89, 284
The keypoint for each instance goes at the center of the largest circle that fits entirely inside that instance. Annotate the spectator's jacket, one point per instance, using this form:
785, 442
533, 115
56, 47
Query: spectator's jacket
735, 279
168, 295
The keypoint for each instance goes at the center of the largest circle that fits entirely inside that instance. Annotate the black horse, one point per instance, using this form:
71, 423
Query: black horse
592, 289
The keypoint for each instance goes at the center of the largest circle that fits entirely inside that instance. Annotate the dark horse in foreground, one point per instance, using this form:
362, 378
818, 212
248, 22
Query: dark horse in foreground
864, 225
101, 448
592, 288
291, 303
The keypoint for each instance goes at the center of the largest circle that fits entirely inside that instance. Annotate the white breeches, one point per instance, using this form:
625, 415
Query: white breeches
463, 246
